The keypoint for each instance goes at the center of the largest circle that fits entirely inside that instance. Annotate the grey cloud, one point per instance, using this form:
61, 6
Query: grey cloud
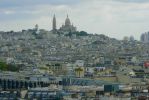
16, 3
132, 1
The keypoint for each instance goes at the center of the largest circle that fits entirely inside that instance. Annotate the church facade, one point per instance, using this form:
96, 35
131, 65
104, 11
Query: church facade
66, 28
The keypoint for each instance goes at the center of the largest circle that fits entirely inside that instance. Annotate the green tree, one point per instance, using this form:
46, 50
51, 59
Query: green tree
8, 67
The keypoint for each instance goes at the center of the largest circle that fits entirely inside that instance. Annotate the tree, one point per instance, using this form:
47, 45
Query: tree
3, 66
8, 67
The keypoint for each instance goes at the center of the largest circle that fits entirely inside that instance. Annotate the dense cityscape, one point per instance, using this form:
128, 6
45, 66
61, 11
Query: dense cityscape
66, 64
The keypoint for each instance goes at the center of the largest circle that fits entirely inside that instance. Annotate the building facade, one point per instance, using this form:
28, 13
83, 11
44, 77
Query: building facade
65, 28
145, 37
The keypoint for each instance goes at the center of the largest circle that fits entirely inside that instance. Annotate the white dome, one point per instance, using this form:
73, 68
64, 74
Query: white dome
67, 21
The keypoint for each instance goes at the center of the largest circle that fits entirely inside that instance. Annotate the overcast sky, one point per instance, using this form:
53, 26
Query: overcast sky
115, 18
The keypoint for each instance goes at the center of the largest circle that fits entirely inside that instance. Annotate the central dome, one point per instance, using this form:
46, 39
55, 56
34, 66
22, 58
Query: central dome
67, 21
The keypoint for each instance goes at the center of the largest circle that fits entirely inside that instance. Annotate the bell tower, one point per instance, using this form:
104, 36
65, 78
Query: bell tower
54, 23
